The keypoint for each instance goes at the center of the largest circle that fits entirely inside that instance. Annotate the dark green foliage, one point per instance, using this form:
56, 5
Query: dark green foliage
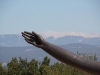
13, 67
2, 70
23, 67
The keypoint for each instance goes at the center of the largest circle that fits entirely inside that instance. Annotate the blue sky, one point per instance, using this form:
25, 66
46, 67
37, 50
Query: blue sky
49, 15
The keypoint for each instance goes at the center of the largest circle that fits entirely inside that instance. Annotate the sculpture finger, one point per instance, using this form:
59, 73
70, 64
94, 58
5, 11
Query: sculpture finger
29, 41
33, 43
30, 38
26, 37
35, 34
26, 34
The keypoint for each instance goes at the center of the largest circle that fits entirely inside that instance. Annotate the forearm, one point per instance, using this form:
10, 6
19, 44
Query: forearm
71, 58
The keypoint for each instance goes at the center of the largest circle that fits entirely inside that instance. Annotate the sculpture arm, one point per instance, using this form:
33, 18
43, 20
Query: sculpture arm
72, 59
64, 56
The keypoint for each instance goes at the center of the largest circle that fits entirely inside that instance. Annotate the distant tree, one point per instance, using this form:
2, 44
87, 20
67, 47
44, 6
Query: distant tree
13, 67
44, 65
2, 70
23, 67
33, 67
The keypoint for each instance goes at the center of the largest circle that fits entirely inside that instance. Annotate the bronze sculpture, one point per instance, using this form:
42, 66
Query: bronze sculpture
61, 54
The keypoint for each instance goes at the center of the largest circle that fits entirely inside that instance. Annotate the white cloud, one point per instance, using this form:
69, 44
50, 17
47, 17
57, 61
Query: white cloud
62, 34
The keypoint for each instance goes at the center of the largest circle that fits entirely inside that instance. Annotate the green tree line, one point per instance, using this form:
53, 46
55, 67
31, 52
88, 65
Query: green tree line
23, 67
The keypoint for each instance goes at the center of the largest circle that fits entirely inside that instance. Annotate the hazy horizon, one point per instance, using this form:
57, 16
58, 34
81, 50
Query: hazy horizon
55, 34
82, 16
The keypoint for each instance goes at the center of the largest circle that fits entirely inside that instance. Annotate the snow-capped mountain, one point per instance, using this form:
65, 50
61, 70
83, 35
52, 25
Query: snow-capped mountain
12, 45
74, 39
12, 40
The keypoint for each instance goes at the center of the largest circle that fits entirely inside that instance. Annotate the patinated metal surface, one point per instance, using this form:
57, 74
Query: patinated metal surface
61, 54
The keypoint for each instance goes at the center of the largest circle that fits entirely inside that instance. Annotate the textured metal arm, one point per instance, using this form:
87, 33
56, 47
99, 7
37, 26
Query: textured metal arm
72, 59
61, 54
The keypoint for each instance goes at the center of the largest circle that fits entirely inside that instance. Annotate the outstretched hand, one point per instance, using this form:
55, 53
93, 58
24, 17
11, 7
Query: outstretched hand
33, 38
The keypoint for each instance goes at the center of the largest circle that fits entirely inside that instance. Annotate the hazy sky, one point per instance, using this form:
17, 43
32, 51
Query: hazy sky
49, 15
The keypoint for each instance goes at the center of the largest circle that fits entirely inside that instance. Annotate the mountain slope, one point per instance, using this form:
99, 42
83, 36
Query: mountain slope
6, 53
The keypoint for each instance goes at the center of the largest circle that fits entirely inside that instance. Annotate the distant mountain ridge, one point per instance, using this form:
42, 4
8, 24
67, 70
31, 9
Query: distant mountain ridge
13, 40
29, 52
12, 45
74, 39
